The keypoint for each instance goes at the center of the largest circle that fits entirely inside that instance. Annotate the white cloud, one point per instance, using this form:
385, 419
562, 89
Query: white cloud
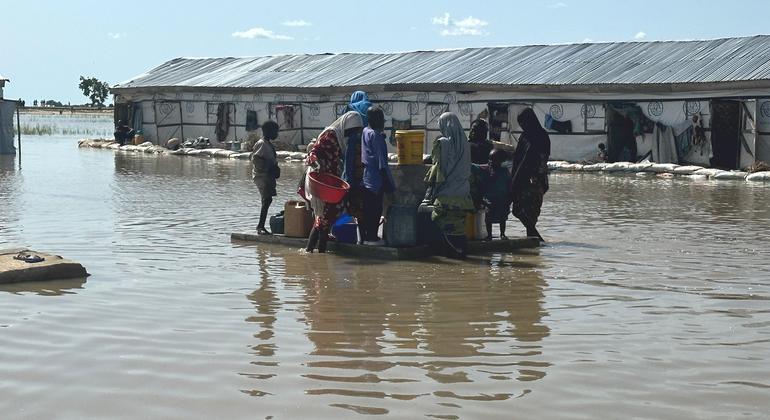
587, 40
640, 35
297, 23
559, 5
261, 33
468, 26
116, 35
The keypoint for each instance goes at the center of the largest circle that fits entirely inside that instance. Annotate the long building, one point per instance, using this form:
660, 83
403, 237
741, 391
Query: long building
637, 97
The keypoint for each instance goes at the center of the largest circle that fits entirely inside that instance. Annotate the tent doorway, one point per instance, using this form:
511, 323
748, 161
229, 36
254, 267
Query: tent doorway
621, 143
498, 120
725, 133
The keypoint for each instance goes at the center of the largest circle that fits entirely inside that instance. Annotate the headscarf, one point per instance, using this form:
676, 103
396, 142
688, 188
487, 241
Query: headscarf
480, 146
455, 159
350, 119
359, 102
538, 138
478, 132
531, 155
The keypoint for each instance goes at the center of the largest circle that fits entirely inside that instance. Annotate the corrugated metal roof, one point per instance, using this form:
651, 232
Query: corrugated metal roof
624, 63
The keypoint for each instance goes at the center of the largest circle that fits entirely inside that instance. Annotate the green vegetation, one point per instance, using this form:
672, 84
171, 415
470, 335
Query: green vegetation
96, 90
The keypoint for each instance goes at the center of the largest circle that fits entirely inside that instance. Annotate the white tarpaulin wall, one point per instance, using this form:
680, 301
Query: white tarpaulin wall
676, 114
587, 120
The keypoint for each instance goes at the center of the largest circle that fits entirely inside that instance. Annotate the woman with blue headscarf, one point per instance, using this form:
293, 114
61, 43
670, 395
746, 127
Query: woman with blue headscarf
359, 102
449, 179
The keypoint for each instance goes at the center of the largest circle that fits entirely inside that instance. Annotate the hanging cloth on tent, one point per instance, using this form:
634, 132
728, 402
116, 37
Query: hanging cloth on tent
251, 120
223, 122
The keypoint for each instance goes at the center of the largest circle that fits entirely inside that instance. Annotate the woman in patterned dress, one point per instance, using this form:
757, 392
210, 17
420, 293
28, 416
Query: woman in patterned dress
326, 157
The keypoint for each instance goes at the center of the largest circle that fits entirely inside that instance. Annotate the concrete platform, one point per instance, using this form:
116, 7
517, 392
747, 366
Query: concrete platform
53, 267
391, 253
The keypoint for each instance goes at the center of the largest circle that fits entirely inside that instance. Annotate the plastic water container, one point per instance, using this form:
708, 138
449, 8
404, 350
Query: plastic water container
297, 219
475, 225
401, 226
409, 146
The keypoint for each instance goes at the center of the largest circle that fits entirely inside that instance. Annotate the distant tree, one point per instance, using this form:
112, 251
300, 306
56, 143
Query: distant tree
34, 103
42, 102
94, 89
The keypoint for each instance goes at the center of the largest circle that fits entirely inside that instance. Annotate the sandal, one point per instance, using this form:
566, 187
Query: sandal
262, 231
28, 258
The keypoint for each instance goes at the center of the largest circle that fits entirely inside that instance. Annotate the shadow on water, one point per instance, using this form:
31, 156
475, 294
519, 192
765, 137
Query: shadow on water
415, 322
45, 288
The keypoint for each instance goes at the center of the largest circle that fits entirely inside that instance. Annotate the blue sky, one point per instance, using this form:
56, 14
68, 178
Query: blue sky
46, 45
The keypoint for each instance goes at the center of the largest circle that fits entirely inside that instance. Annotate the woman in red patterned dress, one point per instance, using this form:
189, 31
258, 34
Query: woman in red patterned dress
326, 156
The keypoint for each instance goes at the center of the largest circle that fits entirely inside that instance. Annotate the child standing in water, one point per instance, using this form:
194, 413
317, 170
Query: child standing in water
496, 186
266, 170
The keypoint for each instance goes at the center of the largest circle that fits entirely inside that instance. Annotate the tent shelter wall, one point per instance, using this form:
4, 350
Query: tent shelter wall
315, 111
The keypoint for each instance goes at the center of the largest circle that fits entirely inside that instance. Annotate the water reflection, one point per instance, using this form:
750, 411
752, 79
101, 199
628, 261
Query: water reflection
45, 288
374, 326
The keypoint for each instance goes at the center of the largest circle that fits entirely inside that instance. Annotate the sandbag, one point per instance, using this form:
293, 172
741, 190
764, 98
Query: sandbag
575, 167
709, 172
639, 167
617, 167
687, 169
556, 164
660, 168
738, 175
223, 153
759, 176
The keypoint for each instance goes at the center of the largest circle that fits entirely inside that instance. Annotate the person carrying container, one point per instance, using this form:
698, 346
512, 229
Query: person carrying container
326, 157
266, 170
378, 179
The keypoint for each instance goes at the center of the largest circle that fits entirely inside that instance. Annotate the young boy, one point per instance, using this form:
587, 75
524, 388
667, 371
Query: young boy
496, 187
602, 155
377, 179
266, 170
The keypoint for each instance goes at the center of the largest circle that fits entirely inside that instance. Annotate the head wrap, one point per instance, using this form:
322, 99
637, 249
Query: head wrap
534, 132
455, 160
359, 102
479, 130
350, 119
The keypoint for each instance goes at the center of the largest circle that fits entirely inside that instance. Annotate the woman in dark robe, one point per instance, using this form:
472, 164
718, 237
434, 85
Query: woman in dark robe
530, 171
480, 146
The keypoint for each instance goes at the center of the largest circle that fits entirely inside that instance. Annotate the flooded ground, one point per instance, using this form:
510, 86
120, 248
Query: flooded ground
650, 301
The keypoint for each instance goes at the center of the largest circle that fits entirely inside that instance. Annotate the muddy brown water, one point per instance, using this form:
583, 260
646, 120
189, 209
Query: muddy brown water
650, 301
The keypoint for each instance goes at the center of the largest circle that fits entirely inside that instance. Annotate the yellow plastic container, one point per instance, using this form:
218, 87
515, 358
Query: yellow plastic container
409, 145
475, 225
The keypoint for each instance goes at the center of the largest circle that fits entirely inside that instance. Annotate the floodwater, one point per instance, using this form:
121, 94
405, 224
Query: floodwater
650, 301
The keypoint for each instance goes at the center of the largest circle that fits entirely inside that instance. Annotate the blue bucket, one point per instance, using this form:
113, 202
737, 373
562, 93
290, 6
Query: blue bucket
345, 232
